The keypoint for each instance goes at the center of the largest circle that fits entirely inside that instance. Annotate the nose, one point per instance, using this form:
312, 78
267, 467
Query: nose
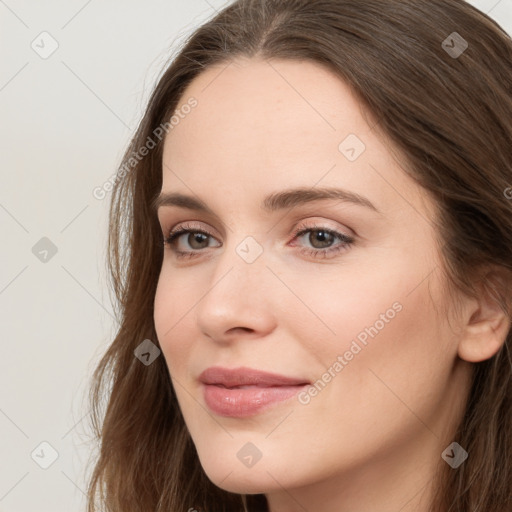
239, 299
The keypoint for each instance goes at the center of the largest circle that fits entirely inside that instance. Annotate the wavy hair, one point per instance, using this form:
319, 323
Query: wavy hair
450, 116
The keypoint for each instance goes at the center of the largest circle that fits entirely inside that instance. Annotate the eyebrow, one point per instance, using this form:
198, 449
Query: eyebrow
273, 202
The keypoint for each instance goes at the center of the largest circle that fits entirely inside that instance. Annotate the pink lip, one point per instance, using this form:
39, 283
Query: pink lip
243, 391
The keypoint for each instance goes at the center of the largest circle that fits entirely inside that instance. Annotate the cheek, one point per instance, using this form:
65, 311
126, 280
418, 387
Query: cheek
370, 300
336, 309
171, 320
177, 292
385, 328
395, 355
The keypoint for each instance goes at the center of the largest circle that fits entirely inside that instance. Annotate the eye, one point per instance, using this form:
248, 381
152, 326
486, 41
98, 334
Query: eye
196, 238
320, 237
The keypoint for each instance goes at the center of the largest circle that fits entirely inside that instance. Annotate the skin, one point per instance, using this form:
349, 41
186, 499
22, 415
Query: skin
371, 439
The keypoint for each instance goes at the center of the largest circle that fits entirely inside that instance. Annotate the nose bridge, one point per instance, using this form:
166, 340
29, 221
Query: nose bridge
241, 269
245, 249
238, 295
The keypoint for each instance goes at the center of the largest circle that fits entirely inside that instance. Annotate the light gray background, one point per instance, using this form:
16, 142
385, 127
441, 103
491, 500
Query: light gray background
65, 122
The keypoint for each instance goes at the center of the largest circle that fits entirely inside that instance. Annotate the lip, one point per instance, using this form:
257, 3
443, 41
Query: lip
243, 391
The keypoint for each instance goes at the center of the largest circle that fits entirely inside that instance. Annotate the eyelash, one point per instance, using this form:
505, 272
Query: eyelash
346, 240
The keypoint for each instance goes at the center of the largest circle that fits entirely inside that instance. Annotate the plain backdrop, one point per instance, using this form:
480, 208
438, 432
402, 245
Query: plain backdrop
74, 79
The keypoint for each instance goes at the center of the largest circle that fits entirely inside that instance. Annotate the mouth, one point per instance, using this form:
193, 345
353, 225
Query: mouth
244, 392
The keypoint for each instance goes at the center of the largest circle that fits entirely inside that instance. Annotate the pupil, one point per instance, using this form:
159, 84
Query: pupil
323, 236
196, 237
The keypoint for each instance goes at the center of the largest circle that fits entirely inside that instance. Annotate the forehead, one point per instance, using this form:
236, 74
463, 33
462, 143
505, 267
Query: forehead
273, 106
269, 125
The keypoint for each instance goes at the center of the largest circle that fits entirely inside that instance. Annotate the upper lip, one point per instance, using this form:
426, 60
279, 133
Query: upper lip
244, 376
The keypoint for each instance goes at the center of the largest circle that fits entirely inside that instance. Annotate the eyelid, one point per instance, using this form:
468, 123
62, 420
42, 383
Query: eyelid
303, 220
320, 223
167, 214
187, 225
344, 234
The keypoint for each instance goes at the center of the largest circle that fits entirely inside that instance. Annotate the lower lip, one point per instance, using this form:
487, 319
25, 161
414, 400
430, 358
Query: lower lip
240, 403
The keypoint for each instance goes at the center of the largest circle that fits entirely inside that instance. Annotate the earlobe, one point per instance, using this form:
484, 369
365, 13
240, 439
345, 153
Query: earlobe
488, 324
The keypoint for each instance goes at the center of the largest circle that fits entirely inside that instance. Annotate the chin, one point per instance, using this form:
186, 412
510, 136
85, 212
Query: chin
242, 480
245, 484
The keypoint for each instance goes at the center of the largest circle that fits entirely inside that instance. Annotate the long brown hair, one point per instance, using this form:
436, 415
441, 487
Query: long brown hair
449, 114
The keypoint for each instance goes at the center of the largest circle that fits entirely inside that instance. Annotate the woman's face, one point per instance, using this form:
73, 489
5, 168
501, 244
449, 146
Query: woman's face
349, 306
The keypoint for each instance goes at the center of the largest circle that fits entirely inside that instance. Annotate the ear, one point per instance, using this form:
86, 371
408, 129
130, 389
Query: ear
487, 324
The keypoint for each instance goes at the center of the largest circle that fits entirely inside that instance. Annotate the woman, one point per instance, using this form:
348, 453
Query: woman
312, 254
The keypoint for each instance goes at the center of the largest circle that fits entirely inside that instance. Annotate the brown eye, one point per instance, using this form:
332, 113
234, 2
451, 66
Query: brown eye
321, 240
197, 238
195, 241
